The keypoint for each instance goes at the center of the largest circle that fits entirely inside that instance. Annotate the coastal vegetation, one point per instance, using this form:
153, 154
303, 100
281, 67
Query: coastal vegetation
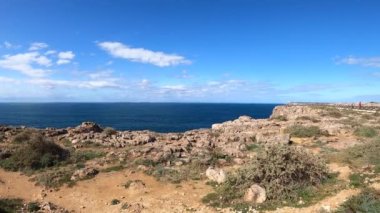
286, 173
305, 131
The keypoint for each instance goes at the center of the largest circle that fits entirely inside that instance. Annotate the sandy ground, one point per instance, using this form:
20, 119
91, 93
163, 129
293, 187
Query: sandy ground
95, 195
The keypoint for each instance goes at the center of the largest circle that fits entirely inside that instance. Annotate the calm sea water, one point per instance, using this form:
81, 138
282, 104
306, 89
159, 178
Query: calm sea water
160, 117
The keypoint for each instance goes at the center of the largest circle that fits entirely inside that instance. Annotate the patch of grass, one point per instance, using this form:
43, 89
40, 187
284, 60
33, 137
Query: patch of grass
331, 112
305, 131
349, 122
83, 156
366, 201
113, 168
192, 171
10, 205
280, 118
282, 170
55, 179
356, 180
359, 155
366, 132
115, 201
308, 118
253, 147
23, 136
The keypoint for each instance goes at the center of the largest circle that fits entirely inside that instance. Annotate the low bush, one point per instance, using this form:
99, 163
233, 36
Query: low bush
366, 201
282, 170
108, 131
55, 179
191, 171
23, 136
115, 201
280, 118
33, 207
305, 131
85, 155
36, 153
366, 132
308, 118
10, 205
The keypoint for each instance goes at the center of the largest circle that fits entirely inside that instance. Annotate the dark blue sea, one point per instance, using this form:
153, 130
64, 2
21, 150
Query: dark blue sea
160, 117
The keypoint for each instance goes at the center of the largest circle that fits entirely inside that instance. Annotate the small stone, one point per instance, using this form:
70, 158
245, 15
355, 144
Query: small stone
255, 194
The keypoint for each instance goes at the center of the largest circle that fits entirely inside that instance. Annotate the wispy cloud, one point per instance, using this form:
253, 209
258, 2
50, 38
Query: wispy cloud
361, 61
26, 63
65, 57
8, 80
160, 59
37, 46
9, 45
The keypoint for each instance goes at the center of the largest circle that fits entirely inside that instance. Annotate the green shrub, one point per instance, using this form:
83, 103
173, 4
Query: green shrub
115, 201
331, 112
280, 118
83, 156
109, 131
54, 179
10, 205
280, 169
33, 207
366, 131
23, 136
366, 201
38, 152
308, 118
305, 131
356, 180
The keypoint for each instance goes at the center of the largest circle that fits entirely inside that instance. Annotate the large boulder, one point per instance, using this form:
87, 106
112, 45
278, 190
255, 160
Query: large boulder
255, 194
217, 175
87, 127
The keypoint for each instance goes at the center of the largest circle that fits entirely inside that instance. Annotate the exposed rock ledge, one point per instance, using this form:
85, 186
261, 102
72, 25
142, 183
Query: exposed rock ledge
229, 138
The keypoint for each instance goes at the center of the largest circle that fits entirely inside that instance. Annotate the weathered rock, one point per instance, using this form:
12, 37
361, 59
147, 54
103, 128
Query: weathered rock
87, 127
217, 175
84, 173
255, 194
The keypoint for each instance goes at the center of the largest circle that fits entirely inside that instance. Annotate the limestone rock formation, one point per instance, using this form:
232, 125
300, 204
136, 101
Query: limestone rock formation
217, 175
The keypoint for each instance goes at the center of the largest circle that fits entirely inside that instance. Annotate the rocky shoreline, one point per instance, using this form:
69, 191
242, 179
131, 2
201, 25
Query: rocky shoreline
201, 153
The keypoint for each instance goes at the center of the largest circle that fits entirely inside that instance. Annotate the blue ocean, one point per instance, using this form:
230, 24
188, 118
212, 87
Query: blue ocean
160, 117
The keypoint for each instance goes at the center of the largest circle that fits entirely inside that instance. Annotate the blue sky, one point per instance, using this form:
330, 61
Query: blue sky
189, 51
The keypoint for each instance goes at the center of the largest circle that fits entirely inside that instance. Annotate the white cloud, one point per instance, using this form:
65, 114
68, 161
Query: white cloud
8, 80
50, 52
86, 84
65, 57
37, 46
9, 45
362, 61
25, 62
160, 59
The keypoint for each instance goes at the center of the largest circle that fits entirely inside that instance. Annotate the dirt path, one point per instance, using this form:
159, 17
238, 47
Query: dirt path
95, 195
15, 185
